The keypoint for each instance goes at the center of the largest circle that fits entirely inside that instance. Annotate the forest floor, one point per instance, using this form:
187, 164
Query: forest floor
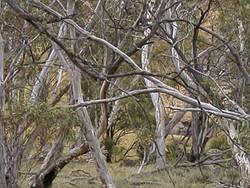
82, 174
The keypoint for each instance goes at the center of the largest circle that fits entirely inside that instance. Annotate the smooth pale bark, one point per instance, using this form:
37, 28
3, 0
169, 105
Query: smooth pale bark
174, 120
198, 118
160, 114
59, 80
239, 154
241, 158
2, 142
86, 123
161, 86
56, 148
89, 133
171, 30
53, 153
37, 89
82, 147
41, 78
117, 105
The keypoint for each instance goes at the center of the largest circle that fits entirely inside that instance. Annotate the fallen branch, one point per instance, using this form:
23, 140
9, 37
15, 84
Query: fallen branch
138, 183
205, 163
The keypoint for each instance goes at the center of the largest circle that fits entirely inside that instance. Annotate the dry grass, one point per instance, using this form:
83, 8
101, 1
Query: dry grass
82, 174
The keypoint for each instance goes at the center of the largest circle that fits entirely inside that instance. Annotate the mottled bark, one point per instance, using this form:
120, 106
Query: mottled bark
241, 157
160, 114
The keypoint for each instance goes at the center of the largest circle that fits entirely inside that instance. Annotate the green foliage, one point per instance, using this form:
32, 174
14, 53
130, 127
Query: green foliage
118, 152
46, 116
218, 142
138, 115
174, 151
244, 135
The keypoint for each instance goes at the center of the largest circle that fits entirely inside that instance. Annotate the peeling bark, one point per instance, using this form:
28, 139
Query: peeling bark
242, 158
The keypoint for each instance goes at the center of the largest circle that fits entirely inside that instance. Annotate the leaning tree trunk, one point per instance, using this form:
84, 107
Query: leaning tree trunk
38, 88
41, 78
86, 123
89, 132
56, 166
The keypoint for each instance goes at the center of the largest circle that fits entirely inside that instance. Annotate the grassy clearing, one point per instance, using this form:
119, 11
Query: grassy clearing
82, 174
79, 173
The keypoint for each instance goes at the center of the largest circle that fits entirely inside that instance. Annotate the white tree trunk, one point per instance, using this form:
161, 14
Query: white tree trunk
41, 78
89, 132
56, 148
241, 158
158, 105
2, 137
86, 123
159, 115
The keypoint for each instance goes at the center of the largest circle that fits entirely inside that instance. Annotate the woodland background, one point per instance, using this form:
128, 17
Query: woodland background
124, 93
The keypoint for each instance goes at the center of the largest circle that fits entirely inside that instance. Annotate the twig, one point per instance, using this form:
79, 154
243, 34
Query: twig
138, 183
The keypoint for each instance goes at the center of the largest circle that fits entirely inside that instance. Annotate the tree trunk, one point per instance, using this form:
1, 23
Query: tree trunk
159, 115
41, 78
56, 149
2, 154
86, 123
49, 174
198, 127
38, 88
157, 102
89, 133
241, 157
3, 182
109, 139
